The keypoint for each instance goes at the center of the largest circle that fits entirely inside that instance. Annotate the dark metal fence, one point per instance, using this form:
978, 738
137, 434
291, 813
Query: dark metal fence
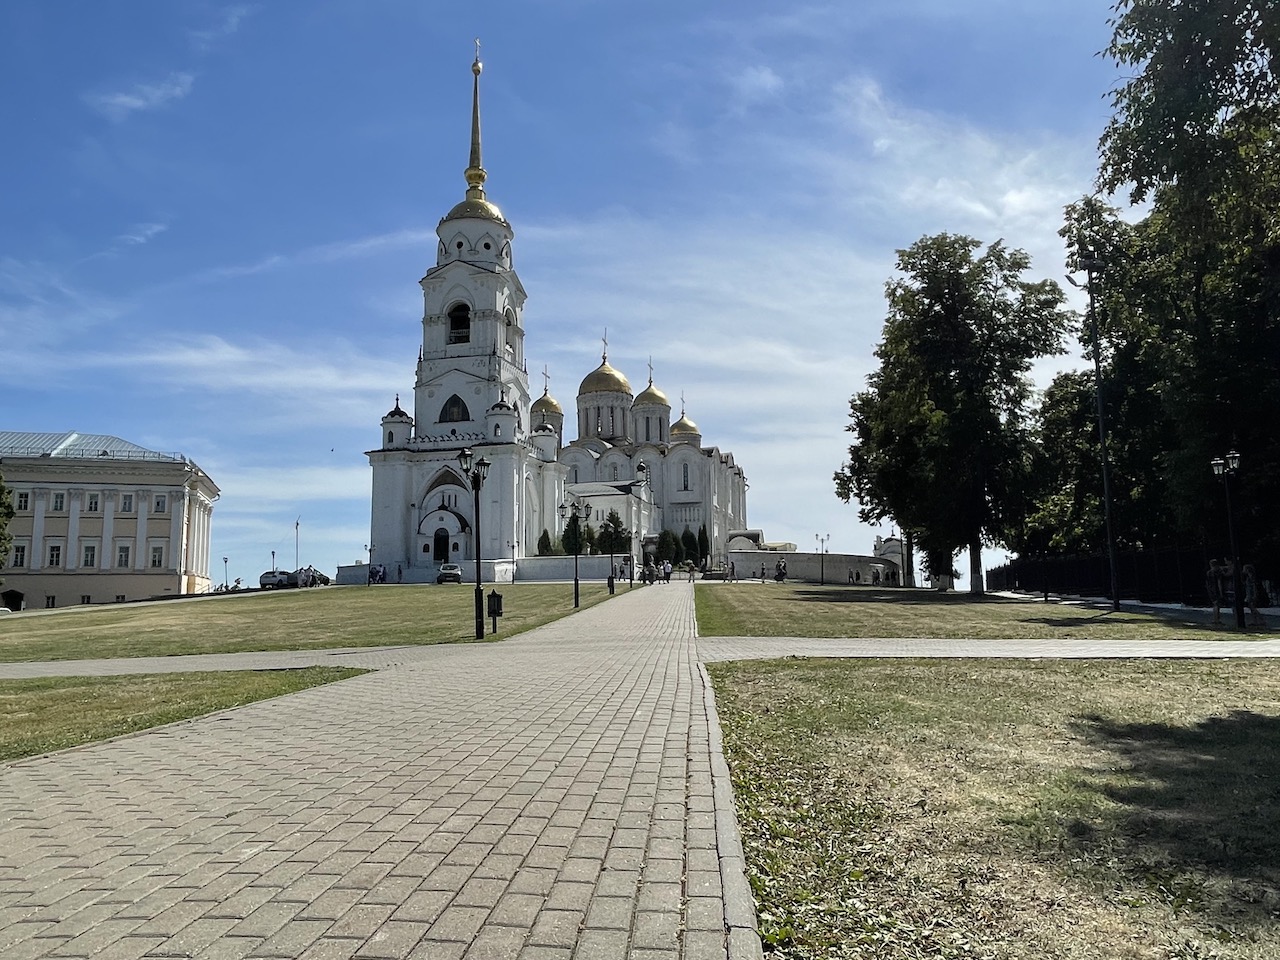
1165, 575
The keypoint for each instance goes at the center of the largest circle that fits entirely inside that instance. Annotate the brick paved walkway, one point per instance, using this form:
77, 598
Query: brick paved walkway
560, 795
547, 797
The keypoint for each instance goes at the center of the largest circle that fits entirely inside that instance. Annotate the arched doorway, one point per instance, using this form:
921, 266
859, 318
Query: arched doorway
441, 545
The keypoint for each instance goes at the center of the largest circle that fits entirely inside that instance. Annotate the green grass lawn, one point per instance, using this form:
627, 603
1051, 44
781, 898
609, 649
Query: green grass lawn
750, 609
284, 620
1009, 809
46, 714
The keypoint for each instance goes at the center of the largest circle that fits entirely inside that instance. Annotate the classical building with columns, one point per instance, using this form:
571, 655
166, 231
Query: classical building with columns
100, 520
471, 390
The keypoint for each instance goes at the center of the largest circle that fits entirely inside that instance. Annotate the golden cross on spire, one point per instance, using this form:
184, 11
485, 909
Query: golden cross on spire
651, 369
546, 380
682, 403
477, 48
605, 340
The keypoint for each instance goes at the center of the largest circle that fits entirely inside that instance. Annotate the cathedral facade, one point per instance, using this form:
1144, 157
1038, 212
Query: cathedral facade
471, 390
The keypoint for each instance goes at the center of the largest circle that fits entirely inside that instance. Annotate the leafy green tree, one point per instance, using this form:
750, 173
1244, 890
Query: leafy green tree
704, 543
667, 546
689, 546
544, 544
942, 439
572, 539
6, 514
1196, 131
613, 537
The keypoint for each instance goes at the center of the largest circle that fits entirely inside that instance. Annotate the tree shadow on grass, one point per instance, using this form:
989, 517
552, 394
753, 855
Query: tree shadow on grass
1195, 811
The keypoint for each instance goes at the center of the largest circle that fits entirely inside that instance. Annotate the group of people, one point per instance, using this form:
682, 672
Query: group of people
1220, 574
658, 571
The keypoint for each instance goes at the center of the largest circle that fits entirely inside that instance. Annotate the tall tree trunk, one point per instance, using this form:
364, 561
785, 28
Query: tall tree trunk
975, 567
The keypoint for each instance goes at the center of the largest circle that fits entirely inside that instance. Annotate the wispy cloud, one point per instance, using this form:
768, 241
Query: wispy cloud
753, 85
321, 253
227, 24
121, 104
141, 233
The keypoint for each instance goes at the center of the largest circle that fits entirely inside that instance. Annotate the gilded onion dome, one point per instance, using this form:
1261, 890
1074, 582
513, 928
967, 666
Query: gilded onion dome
605, 379
652, 394
684, 427
546, 404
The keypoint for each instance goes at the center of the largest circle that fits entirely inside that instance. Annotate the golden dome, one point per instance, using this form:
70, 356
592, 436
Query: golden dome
652, 394
684, 427
547, 404
476, 208
605, 379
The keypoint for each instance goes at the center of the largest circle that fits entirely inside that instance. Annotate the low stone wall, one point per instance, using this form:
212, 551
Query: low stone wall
842, 568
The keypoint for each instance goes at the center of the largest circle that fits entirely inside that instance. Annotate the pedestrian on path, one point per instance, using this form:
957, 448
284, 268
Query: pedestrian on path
1213, 585
1251, 595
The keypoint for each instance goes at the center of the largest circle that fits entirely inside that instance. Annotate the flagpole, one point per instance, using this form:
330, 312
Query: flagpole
296, 523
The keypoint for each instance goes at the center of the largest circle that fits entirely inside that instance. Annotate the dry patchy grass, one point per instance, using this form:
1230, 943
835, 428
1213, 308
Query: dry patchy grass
750, 609
42, 715
1026, 809
283, 620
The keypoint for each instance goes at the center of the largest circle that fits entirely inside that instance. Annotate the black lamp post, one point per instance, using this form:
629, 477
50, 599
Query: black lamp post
822, 551
476, 471
576, 512
1226, 469
1093, 267
225, 583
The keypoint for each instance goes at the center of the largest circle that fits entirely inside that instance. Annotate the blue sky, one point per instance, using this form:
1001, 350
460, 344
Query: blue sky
215, 216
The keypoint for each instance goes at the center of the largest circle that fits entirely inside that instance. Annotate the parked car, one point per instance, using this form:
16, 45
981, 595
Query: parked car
275, 578
449, 573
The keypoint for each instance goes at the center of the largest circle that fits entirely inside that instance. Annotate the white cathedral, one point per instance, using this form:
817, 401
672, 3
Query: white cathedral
472, 391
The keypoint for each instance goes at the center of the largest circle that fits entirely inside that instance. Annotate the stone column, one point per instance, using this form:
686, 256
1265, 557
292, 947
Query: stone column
41, 497
177, 510
72, 560
142, 500
108, 529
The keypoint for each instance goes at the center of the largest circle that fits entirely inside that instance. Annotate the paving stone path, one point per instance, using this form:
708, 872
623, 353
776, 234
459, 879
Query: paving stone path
547, 797
559, 796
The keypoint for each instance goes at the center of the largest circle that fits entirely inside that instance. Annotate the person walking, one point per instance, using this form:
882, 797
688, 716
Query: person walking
1251, 595
1213, 587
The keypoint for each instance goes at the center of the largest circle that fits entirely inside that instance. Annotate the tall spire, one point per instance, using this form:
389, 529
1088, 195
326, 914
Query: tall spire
475, 172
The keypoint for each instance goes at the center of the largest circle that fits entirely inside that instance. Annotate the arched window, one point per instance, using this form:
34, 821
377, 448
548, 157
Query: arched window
497, 429
390, 437
647, 422
615, 471
460, 323
454, 411
685, 471
575, 474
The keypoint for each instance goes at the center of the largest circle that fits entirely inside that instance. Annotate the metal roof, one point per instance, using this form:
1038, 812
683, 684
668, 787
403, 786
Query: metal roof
18, 443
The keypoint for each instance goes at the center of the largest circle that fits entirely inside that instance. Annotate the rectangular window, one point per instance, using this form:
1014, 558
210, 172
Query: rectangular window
50, 602
157, 558
55, 555
93, 503
161, 504
90, 555
122, 555
84, 598
126, 503
20, 555
59, 502
24, 502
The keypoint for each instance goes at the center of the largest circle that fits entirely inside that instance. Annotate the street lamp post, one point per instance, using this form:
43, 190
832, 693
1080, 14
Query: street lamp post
822, 556
576, 512
475, 471
225, 583
1226, 469
1093, 267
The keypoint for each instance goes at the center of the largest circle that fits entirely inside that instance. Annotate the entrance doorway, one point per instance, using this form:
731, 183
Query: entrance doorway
441, 545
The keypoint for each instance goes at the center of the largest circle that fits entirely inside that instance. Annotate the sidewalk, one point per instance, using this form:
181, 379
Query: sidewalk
546, 797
